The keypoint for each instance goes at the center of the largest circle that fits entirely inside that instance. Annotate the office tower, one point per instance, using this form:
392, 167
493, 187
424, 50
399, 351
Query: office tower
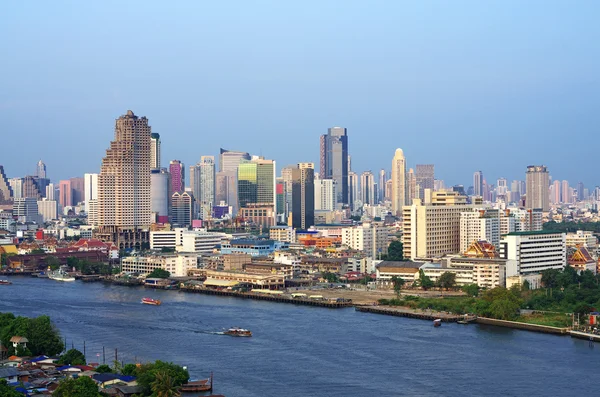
367, 188
65, 198
229, 160
388, 190
334, 160
480, 225
202, 183
90, 190
381, 185
226, 189
565, 193
555, 192
159, 193
287, 178
256, 191
16, 186
154, 151
303, 196
425, 175
501, 186
6, 193
41, 170
411, 186
124, 184
78, 190
325, 194
51, 192
177, 176
478, 183
280, 199
537, 195
30, 188
580, 189
47, 209
439, 185
352, 190
398, 182
25, 209
182, 204
515, 191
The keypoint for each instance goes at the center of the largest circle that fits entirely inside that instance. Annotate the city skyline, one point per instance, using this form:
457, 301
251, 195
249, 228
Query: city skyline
513, 85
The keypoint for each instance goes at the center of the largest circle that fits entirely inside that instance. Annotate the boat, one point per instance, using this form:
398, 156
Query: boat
462, 322
437, 322
150, 301
60, 275
237, 332
198, 385
5, 282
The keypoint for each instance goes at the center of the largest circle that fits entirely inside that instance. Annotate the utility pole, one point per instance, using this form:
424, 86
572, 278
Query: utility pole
83, 348
103, 356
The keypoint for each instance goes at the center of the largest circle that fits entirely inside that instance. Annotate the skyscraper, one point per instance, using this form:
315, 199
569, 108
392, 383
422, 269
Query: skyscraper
566, 193
124, 184
202, 183
352, 189
154, 150
65, 198
229, 160
16, 187
303, 196
367, 188
287, 178
159, 193
90, 189
31, 188
555, 192
580, 191
398, 182
334, 160
182, 204
177, 171
256, 191
41, 170
226, 189
6, 194
425, 175
411, 186
325, 194
537, 196
381, 185
478, 184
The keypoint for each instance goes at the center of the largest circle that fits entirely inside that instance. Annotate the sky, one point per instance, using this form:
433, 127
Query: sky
465, 85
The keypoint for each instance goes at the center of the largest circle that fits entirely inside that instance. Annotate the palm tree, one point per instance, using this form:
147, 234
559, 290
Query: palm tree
164, 386
398, 284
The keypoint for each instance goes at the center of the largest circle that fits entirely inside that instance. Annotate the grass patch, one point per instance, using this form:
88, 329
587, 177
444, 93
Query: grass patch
550, 319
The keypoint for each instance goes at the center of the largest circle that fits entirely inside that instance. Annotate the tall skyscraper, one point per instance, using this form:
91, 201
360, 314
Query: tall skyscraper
6, 194
31, 188
159, 193
229, 160
177, 171
367, 188
78, 186
411, 186
580, 191
478, 184
154, 150
202, 183
398, 182
124, 184
325, 194
334, 160
226, 189
537, 181
16, 186
287, 178
182, 204
65, 198
352, 189
565, 193
41, 170
425, 175
303, 196
90, 189
381, 185
555, 192
256, 191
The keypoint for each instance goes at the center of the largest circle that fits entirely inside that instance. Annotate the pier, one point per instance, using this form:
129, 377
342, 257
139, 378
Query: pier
410, 313
272, 298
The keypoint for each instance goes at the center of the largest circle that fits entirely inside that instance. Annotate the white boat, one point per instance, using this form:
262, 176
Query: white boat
60, 275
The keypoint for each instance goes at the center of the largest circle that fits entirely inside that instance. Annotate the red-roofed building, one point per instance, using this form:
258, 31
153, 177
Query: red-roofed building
581, 260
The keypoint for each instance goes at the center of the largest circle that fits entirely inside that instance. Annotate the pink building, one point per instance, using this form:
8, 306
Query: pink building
177, 176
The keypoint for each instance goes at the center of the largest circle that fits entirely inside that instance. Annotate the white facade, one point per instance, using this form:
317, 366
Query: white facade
183, 240
325, 194
25, 209
47, 209
90, 189
202, 182
582, 239
526, 220
478, 225
398, 182
177, 264
372, 239
534, 252
283, 233
159, 192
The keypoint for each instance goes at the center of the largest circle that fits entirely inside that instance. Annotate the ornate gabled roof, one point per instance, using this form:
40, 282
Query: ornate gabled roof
481, 249
580, 256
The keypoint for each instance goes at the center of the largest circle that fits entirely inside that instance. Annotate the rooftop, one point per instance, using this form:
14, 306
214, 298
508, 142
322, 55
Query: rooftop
533, 233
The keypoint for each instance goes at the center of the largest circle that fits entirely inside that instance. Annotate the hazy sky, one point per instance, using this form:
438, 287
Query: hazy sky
466, 85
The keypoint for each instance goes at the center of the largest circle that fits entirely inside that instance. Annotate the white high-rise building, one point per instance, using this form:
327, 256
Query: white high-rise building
534, 252
48, 209
352, 189
154, 151
398, 182
325, 195
367, 188
479, 225
16, 184
370, 238
537, 180
202, 182
412, 190
90, 189
478, 183
159, 192
51, 192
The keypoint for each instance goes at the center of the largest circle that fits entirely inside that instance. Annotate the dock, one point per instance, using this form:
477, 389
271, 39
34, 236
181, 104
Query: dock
585, 335
273, 298
410, 313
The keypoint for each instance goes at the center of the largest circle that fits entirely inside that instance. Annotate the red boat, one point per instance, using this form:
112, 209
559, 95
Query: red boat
150, 301
437, 322
238, 332
5, 282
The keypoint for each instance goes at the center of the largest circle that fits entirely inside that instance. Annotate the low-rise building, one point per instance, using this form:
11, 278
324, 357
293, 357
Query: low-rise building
406, 270
580, 259
534, 252
216, 278
252, 247
283, 233
184, 240
177, 264
582, 239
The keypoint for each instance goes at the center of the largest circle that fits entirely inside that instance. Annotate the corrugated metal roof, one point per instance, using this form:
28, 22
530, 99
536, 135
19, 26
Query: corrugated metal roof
220, 283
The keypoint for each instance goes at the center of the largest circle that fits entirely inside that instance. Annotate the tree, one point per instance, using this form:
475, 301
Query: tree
471, 289
77, 387
526, 286
395, 251
164, 386
146, 374
424, 281
447, 280
72, 357
330, 277
159, 273
129, 369
43, 337
7, 391
398, 284
103, 369
500, 303
549, 278
52, 262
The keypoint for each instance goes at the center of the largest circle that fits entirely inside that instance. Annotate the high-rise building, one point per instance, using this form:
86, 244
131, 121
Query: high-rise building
580, 190
256, 189
479, 225
226, 189
478, 184
412, 191
398, 182
303, 196
6, 193
534, 252
25, 209
154, 151
65, 198
555, 192
324, 194
41, 178
537, 180
159, 192
47, 209
182, 204
287, 179
353, 189
229, 160
371, 238
124, 184
90, 190
388, 190
565, 192
78, 190
51, 192
381, 185
334, 160
41, 170
425, 174
30, 188
177, 171
202, 183
16, 186
367, 188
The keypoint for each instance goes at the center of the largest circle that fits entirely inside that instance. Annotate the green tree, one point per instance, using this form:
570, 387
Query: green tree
447, 280
549, 278
159, 273
526, 286
330, 277
129, 369
424, 281
395, 251
398, 284
471, 289
43, 337
500, 303
164, 385
7, 391
103, 369
146, 374
72, 357
77, 387
37, 251
583, 309
52, 262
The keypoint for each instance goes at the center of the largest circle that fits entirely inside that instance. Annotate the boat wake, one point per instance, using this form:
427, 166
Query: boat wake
210, 332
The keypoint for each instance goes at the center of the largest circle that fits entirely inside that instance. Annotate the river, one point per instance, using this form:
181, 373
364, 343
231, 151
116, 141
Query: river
306, 351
